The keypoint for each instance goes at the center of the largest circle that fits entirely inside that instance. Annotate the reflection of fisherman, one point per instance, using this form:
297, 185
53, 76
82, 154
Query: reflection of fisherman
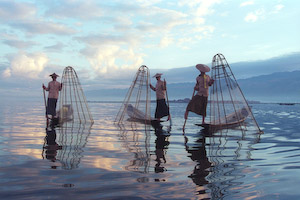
161, 144
198, 154
52, 146
53, 88
198, 103
162, 109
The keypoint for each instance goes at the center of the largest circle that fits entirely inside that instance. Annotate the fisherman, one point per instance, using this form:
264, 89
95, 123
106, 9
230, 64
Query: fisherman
53, 88
198, 103
162, 109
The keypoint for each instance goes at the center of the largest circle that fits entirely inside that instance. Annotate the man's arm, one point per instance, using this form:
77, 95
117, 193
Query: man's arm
153, 88
46, 88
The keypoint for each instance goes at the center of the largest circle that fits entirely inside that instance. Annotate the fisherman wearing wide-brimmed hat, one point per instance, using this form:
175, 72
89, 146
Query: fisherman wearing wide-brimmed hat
162, 109
53, 88
198, 103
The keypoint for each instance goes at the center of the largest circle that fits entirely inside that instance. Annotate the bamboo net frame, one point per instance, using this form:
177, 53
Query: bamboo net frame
228, 105
138, 96
72, 102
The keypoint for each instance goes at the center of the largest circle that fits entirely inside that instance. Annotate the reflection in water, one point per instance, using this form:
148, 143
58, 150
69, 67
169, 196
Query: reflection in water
161, 146
51, 147
68, 145
228, 152
220, 161
136, 139
137, 143
197, 152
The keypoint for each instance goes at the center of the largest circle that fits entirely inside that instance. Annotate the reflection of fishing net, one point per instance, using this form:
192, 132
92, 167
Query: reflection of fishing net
73, 138
72, 102
228, 106
136, 142
137, 101
229, 154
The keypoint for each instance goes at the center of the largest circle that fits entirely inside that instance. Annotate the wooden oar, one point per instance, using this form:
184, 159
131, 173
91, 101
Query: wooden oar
188, 111
45, 106
168, 104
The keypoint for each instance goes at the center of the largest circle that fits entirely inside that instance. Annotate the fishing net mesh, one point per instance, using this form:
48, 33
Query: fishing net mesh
73, 106
137, 100
227, 102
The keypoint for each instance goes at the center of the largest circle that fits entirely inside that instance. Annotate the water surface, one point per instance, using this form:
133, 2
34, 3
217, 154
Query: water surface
106, 161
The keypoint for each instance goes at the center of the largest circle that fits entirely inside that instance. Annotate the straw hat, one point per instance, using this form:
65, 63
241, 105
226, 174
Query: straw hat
202, 68
157, 75
53, 75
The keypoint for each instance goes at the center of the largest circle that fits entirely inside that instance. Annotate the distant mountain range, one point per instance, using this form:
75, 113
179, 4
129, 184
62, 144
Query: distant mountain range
276, 87
241, 70
273, 80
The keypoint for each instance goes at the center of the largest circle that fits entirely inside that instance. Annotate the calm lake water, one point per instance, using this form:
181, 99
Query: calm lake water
136, 162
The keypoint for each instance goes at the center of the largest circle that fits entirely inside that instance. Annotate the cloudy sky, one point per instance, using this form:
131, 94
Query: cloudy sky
108, 40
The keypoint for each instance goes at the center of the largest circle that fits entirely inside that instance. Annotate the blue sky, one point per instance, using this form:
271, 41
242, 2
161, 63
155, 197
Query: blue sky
108, 40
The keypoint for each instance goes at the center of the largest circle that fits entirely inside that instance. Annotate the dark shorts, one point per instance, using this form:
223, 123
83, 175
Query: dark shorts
198, 105
51, 106
162, 109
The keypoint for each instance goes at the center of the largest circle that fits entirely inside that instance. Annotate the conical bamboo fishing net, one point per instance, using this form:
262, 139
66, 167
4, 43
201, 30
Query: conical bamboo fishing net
228, 106
136, 105
73, 106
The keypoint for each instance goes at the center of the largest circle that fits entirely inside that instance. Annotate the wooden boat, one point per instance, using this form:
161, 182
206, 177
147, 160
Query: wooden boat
139, 116
232, 120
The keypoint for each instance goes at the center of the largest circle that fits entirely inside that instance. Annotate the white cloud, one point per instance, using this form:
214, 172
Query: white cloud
246, 3
261, 13
200, 7
112, 61
277, 8
166, 41
6, 73
251, 17
158, 19
254, 16
23, 65
198, 11
205, 30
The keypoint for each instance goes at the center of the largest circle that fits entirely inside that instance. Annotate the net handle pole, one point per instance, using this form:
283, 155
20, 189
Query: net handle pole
45, 103
188, 111
168, 103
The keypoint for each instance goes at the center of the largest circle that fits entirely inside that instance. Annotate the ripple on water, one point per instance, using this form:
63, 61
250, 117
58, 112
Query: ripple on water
136, 164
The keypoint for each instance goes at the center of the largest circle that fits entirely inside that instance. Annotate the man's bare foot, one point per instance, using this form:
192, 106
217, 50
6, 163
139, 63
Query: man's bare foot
169, 117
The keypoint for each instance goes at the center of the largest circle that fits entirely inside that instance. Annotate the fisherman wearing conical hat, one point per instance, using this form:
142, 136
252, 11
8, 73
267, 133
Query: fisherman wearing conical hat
53, 88
198, 103
162, 109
